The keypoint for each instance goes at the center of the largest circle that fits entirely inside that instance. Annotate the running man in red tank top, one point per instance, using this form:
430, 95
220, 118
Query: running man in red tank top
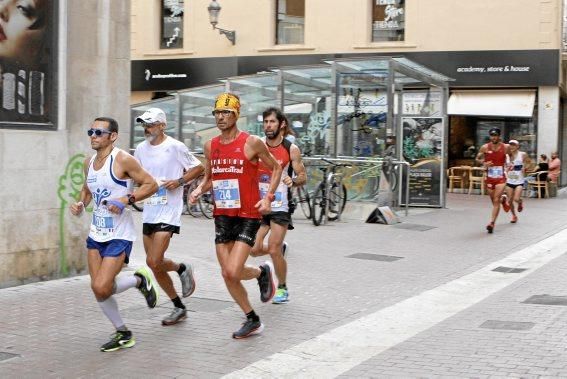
231, 170
493, 156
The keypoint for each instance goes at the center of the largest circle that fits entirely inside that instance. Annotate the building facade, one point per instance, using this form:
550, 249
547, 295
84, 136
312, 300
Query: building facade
47, 104
506, 57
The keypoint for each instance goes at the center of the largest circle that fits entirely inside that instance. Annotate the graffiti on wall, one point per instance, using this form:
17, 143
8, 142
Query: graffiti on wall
70, 185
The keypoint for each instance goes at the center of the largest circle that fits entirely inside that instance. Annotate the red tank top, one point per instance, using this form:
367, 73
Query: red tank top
280, 204
498, 159
235, 179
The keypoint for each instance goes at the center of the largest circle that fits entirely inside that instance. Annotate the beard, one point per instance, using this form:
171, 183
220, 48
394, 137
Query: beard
272, 135
150, 137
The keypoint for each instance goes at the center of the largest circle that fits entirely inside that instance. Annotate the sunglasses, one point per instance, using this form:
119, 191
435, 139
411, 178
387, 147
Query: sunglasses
224, 112
97, 132
146, 125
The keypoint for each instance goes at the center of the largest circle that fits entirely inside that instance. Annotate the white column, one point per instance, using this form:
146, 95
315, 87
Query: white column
548, 120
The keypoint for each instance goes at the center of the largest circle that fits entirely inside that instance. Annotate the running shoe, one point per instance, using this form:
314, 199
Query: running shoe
147, 286
514, 219
504, 201
520, 206
490, 227
177, 315
249, 328
119, 340
187, 280
285, 249
266, 282
281, 297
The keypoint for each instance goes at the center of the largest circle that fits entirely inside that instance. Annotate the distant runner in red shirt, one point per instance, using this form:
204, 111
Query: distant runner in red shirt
231, 170
493, 157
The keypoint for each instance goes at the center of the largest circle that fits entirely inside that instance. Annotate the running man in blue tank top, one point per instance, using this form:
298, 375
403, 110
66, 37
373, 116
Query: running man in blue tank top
112, 232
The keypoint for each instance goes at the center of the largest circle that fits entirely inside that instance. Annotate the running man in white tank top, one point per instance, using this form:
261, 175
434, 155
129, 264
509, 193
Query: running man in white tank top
112, 232
172, 165
516, 162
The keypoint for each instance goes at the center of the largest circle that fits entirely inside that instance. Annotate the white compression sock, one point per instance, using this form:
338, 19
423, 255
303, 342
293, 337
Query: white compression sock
121, 284
110, 309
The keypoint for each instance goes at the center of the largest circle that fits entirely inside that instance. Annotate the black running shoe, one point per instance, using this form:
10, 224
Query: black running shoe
249, 328
147, 286
266, 282
119, 340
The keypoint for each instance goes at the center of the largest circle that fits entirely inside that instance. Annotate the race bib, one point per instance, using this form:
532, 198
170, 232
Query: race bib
102, 225
514, 175
226, 193
278, 200
496, 172
158, 198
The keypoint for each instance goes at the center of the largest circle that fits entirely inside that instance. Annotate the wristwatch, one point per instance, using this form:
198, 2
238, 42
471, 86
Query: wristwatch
131, 199
181, 181
270, 196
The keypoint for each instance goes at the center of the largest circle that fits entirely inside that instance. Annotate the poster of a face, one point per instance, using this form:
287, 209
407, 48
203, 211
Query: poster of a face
27, 63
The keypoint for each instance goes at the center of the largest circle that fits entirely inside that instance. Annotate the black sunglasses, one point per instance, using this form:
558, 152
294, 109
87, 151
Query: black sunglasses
97, 132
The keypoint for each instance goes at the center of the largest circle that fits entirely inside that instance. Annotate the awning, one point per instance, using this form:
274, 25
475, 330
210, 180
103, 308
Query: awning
492, 103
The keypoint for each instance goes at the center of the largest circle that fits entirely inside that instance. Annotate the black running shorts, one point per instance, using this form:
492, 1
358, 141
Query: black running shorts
228, 229
149, 229
280, 218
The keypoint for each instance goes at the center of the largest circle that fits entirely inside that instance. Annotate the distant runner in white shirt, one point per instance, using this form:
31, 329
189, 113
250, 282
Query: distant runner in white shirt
172, 165
516, 162
109, 244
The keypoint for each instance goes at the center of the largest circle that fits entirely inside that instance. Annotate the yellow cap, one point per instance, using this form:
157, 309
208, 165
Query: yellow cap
228, 101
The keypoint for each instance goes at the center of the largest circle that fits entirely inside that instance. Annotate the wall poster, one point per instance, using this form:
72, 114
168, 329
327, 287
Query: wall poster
28, 64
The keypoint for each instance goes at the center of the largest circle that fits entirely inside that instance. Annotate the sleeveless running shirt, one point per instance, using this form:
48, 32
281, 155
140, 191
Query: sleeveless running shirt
498, 159
104, 185
515, 169
281, 203
235, 179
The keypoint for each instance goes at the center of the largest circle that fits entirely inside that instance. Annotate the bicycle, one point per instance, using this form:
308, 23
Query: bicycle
301, 197
204, 204
331, 195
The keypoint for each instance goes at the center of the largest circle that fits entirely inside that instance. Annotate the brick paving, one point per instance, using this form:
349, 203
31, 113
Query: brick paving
55, 328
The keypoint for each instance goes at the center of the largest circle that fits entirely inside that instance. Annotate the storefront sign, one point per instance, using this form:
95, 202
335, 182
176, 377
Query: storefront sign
28, 69
423, 149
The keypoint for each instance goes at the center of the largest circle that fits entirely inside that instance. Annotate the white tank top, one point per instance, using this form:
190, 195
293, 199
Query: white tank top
515, 169
165, 161
104, 185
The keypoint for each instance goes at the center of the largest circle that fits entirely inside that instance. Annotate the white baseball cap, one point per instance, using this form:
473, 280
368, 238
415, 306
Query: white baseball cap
513, 142
152, 116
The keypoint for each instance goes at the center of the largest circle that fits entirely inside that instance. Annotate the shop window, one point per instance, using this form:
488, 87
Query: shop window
388, 20
290, 22
172, 24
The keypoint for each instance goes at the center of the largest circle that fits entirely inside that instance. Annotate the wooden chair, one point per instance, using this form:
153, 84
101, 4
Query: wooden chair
456, 176
476, 177
539, 183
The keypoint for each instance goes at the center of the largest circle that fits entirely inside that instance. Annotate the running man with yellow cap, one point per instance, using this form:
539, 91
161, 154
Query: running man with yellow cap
231, 170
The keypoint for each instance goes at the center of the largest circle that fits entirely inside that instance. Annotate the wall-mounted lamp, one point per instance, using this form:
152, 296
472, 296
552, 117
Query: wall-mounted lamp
214, 10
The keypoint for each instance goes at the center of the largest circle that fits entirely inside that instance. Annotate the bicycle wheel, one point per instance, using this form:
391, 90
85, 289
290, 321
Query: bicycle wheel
318, 205
304, 201
206, 204
337, 201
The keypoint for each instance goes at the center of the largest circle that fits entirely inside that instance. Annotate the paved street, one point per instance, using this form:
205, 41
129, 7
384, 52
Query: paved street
418, 299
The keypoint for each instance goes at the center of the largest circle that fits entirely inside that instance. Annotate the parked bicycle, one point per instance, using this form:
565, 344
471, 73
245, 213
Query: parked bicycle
204, 205
331, 195
301, 197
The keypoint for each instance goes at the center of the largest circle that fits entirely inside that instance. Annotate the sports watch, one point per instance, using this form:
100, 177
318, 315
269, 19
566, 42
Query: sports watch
131, 199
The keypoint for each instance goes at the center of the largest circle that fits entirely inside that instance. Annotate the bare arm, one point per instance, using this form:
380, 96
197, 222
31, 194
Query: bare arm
480, 156
130, 167
207, 182
85, 196
298, 168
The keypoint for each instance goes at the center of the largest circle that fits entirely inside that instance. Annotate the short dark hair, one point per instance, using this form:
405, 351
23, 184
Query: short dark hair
112, 123
277, 111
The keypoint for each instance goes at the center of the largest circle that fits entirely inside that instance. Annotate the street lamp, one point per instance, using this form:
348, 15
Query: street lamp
214, 10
